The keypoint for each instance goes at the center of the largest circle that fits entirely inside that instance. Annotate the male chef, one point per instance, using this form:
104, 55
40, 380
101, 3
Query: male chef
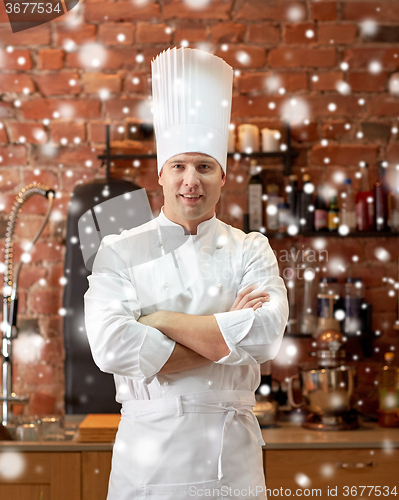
183, 309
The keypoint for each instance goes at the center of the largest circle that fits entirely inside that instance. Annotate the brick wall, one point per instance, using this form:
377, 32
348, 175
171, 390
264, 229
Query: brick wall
62, 82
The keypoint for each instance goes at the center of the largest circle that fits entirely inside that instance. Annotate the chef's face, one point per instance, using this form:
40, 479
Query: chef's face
191, 185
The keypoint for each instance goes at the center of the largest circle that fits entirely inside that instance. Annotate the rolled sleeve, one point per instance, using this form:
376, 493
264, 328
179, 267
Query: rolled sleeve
254, 337
119, 343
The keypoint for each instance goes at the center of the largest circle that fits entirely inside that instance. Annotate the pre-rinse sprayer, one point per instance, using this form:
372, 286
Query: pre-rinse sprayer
10, 294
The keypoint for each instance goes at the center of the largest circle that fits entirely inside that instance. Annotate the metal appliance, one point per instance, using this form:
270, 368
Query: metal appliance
327, 390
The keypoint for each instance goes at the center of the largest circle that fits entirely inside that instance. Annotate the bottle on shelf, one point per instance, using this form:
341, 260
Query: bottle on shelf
394, 210
292, 198
332, 214
305, 204
365, 204
284, 218
389, 393
328, 302
381, 200
353, 300
273, 199
255, 202
347, 209
320, 211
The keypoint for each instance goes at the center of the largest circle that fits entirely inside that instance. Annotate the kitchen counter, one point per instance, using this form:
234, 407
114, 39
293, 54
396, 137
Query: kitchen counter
293, 436
285, 435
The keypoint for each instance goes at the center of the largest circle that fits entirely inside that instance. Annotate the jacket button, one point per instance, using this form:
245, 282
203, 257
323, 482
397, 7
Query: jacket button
164, 285
166, 383
220, 285
210, 382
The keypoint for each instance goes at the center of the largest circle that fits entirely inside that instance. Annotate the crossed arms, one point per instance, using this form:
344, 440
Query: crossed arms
199, 340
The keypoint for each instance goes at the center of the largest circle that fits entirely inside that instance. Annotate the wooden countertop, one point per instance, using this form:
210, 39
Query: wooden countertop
286, 435
293, 436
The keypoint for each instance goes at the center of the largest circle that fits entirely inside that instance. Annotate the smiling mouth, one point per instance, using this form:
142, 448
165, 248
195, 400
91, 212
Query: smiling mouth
191, 197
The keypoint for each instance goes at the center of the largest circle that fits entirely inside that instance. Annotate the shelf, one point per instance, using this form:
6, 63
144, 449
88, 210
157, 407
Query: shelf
287, 155
334, 234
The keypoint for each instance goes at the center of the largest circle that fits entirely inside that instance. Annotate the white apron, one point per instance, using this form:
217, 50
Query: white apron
187, 446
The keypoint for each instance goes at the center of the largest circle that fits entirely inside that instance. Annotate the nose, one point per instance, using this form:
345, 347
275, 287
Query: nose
191, 177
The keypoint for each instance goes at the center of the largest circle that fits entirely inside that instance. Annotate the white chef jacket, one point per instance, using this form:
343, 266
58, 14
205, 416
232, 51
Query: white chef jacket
134, 274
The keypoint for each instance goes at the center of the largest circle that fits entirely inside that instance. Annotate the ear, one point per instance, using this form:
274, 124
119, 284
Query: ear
160, 178
223, 179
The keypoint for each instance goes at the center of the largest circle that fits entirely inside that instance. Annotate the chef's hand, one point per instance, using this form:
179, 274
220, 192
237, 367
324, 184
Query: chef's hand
149, 320
250, 297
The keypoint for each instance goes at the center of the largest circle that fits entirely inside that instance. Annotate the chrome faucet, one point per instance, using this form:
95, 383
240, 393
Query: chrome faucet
10, 296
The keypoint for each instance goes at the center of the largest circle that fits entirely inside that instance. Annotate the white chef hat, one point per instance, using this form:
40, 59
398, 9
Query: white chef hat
192, 91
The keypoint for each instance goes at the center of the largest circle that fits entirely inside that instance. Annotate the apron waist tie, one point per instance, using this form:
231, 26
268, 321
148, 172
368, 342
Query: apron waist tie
202, 403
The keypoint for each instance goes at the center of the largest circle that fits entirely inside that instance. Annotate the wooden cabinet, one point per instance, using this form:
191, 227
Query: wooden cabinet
96, 467
42, 476
325, 469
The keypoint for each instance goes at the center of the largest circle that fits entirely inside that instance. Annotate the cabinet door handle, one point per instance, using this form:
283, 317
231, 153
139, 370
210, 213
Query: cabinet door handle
354, 465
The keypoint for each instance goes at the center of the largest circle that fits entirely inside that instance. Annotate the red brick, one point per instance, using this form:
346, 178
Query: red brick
336, 129
324, 11
295, 57
15, 83
34, 133
385, 11
217, 9
44, 176
121, 11
55, 274
54, 326
265, 33
58, 83
39, 374
67, 156
28, 226
380, 299
345, 105
231, 207
3, 133
147, 176
108, 33
245, 106
364, 81
30, 275
296, 33
40, 35
243, 56
9, 179
137, 107
38, 109
141, 86
344, 154
81, 33
45, 252
228, 32
9, 60
337, 33
153, 33
94, 82
12, 156
304, 133
384, 105
258, 82
97, 131
149, 54
189, 33
50, 59
78, 177
393, 152
361, 57
42, 404
53, 351
114, 58
69, 130
327, 81
274, 10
